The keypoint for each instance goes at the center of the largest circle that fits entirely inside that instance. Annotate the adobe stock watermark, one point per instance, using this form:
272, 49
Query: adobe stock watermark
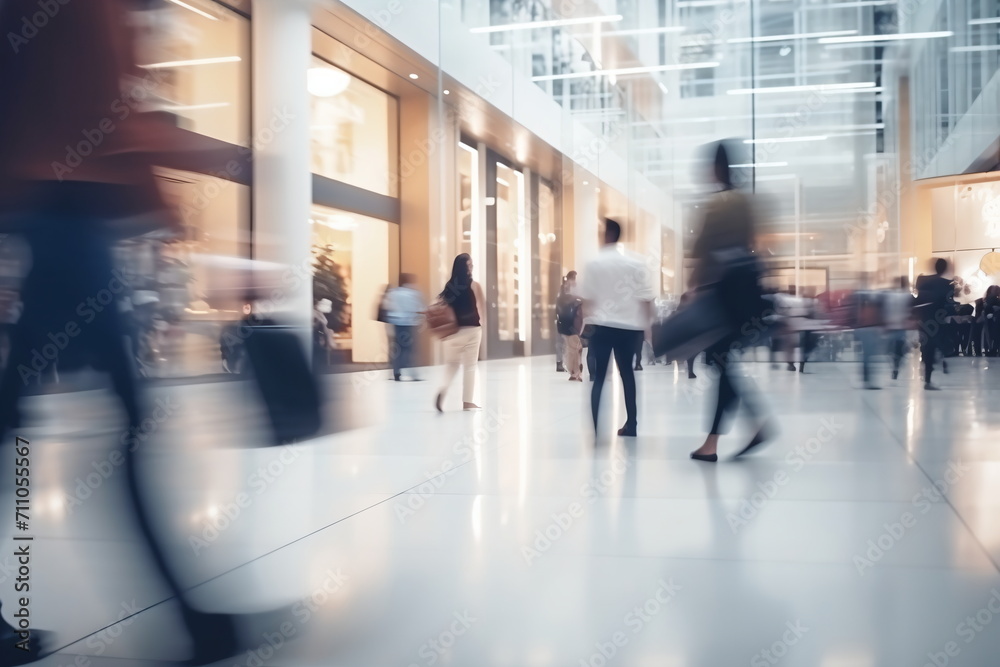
563, 522
303, 611
895, 531
435, 648
796, 460
967, 630
227, 513
773, 654
464, 450
635, 620
131, 438
206, 191
32, 24
99, 642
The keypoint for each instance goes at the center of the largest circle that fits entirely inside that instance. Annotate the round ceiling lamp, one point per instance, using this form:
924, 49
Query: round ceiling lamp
327, 81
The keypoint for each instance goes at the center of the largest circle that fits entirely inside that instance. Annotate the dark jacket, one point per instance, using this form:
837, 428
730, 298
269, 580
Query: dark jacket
729, 224
934, 295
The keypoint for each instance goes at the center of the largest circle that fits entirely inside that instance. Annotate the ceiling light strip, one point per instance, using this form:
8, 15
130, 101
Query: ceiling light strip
625, 71
886, 38
861, 86
553, 23
197, 11
197, 61
785, 38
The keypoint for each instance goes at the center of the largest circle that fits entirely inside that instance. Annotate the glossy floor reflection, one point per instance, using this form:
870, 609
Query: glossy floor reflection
507, 537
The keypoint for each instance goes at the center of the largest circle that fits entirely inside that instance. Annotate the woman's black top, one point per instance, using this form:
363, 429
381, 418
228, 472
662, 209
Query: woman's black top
463, 301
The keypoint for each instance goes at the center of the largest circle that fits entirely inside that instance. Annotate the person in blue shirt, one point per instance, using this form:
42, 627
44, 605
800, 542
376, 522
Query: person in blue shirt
404, 311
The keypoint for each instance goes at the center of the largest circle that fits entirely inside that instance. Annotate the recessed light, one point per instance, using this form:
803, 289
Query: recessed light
586, 183
414, 76
447, 92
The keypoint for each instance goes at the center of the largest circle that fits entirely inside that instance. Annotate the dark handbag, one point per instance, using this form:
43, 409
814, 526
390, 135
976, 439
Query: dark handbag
732, 308
285, 380
694, 327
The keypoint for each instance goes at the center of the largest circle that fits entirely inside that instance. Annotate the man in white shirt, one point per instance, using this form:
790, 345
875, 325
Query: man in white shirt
618, 302
405, 311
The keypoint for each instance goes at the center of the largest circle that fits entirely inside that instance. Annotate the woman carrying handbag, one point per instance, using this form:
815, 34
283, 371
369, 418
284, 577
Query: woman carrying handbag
456, 317
725, 264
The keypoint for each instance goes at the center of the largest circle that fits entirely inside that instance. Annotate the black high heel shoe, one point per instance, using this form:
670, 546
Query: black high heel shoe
708, 458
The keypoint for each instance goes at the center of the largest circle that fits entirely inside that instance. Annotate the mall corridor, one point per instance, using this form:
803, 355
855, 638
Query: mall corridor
500, 333
505, 537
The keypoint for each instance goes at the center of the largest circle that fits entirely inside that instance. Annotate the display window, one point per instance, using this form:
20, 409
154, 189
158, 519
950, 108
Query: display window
354, 130
197, 57
355, 259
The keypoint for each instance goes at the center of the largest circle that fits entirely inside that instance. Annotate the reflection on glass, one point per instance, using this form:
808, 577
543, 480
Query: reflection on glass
200, 67
548, 255
175, 326
469, 223
512, 294
355, 258
353, 130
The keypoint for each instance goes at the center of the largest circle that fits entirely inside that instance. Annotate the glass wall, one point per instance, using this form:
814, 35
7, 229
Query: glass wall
513, 260
354, 130
176, 320
355, 258
951, 72
549, 266
199, 60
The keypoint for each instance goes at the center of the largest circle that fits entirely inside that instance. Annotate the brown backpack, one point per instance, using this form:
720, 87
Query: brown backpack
441, 319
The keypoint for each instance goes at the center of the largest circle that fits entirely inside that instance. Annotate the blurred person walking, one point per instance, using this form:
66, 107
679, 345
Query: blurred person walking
991, 321
976, 338
569, 325
560, 340
464, 297
932, 307
618, 302
404, 311
897, 308
62, 83
723, 253
868, 313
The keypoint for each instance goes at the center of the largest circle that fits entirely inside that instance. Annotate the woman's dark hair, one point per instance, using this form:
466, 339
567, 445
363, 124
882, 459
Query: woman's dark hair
723, 174
723, 155
461, 278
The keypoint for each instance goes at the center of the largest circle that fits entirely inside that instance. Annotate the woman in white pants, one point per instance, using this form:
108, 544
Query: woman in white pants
465, 297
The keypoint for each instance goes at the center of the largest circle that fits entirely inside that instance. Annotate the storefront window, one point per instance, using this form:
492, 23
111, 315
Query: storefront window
175, 323
469, 218
198, 56
354, 130
548, 254
355, 259
513, 298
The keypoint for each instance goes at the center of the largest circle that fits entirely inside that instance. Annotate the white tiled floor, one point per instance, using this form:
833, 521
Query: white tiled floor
379, 538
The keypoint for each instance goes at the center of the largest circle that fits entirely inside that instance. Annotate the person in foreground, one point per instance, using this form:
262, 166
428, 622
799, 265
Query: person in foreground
724, 260
618, 302
465, 297
70, 218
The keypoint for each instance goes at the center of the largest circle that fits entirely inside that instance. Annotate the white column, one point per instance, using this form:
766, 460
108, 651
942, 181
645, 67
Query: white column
282, 178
